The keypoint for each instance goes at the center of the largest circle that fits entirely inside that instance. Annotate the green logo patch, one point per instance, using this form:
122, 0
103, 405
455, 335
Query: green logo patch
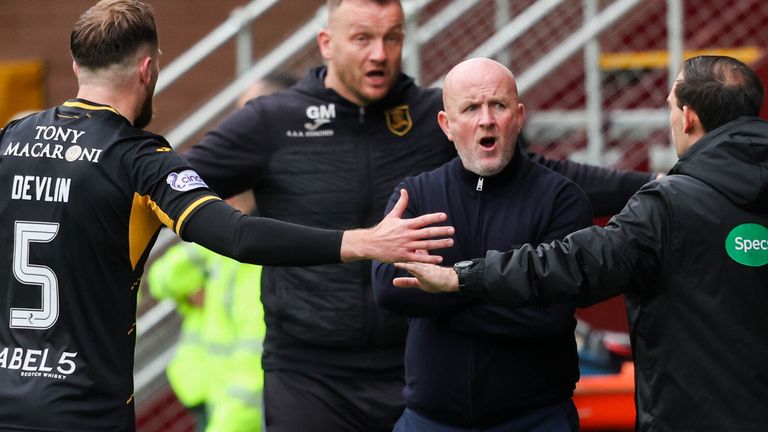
747, 244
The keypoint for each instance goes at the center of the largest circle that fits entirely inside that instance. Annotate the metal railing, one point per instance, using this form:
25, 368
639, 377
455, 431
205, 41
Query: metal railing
239, 20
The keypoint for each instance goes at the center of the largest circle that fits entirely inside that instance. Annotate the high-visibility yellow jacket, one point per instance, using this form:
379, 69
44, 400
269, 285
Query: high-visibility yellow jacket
218, 358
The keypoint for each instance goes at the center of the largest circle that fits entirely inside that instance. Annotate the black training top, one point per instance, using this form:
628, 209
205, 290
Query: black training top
313, 158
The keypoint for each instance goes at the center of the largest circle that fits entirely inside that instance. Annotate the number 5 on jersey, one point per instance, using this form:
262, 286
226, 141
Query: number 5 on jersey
24, 234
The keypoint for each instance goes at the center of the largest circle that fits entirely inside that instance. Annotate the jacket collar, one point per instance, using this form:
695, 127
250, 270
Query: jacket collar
314, 83
732, 159
517, 168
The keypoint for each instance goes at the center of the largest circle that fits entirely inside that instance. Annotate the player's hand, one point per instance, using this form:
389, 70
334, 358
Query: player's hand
427, 277
395, 239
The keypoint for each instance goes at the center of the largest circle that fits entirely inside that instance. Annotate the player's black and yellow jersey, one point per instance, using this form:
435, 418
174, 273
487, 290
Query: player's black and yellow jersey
84, 196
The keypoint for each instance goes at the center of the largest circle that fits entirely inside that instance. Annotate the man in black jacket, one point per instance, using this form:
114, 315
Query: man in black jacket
501, 368
328, 152
690, 253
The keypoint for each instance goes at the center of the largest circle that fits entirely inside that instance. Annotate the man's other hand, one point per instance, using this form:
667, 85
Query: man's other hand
427, 277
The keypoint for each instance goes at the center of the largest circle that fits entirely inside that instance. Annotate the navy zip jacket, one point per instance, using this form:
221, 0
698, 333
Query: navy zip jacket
469, 363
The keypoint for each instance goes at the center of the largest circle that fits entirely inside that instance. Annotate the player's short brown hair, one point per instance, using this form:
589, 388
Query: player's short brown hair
111, 31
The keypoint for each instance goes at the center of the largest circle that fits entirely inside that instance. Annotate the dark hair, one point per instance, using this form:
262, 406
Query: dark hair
112, 30
719, 89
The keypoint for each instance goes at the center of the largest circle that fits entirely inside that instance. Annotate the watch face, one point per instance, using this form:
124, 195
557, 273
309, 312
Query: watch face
462, 264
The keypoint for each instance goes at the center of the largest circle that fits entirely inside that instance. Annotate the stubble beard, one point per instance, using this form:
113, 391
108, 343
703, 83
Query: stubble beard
145, 115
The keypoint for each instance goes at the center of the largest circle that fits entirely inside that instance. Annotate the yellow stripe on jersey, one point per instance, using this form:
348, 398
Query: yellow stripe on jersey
189, 210
90, 107
142, 225
145, 220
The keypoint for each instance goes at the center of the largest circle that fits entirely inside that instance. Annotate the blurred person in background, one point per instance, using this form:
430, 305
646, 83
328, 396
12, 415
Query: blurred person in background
328, 152
216, 370
269, 84
222, 328
689, 252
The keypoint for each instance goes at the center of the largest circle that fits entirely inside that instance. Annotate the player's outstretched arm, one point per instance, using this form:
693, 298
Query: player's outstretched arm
395, 239
427, 277
257, 240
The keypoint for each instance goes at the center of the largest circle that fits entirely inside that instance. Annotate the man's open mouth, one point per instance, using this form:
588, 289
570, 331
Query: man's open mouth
487, 141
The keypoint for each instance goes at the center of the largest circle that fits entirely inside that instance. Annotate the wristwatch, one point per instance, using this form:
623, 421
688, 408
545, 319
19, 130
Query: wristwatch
462, 268
470, 274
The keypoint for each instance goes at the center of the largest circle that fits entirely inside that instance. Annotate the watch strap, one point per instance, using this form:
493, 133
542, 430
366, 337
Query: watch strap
471, 280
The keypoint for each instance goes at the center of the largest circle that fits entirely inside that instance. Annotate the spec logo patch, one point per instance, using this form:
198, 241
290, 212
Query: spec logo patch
747, 244
185, 181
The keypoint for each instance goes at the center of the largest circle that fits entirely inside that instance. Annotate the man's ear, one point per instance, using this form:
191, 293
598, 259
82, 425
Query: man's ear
145, 69
324, 43
445, 124
520, 115
690, 119
74, 67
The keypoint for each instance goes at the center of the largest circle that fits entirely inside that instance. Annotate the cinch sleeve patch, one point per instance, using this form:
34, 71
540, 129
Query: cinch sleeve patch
186, 180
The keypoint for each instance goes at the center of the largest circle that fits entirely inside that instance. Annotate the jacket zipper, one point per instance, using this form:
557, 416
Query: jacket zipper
366, 197
480, 249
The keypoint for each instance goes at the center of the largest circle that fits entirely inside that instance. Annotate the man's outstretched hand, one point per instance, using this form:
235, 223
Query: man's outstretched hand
395, 239
427, 277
